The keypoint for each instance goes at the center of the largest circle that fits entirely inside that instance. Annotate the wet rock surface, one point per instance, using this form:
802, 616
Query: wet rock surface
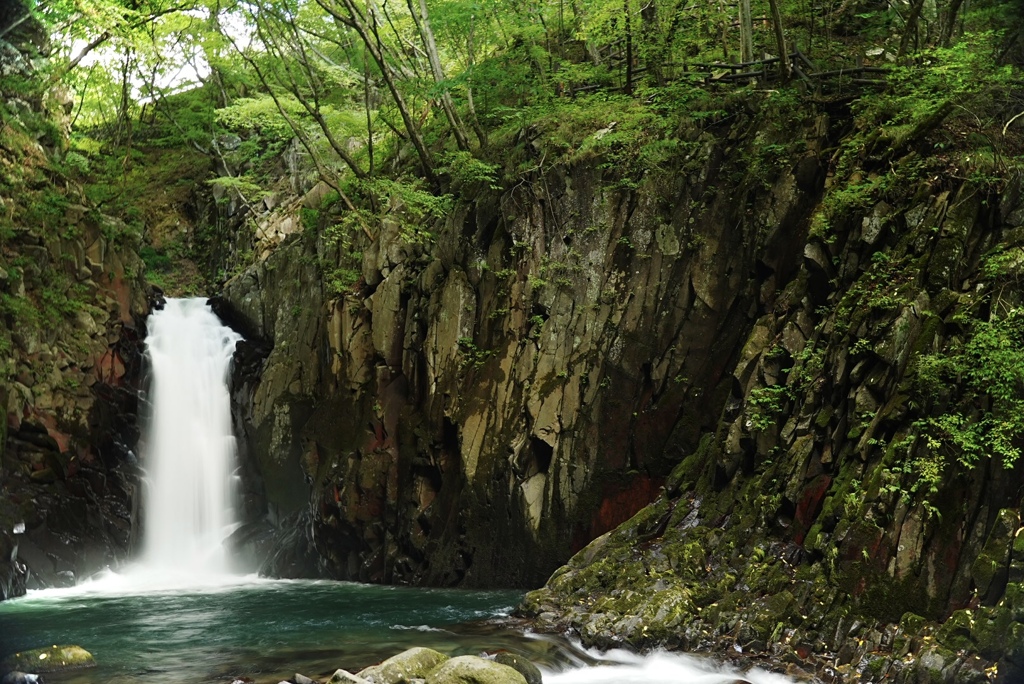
431, 667
415, 663
474, 670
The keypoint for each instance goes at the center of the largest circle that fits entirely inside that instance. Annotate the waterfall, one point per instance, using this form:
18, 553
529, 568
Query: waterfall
189, 450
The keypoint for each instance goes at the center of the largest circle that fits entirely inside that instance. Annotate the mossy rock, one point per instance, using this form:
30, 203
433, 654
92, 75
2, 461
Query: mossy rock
474, 670
345, 677
931, 665
531, 673
49, 659
989, 630
1013, 600
956, 631
989, 569
885, 597
415, 663
1015, 645
912, 623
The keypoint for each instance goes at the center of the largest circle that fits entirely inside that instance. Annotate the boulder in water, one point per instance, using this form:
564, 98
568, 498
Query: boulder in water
414, 663
530, 672
345, 677
50, 659
474, 670
303, 679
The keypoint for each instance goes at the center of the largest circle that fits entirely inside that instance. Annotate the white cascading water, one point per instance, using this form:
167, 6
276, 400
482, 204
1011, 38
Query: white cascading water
189, 453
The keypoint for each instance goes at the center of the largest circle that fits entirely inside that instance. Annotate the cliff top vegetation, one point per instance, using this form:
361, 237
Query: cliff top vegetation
436, 95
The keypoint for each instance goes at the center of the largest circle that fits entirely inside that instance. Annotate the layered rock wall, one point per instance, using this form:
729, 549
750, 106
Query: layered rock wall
485, 403
835, 510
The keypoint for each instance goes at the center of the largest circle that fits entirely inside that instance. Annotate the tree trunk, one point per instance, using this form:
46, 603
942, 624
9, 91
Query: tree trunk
291, 83
746, 32
949, 24
785, 68
910, 28
427, 34
629, 48
481, 134
354, 19
123, 127
366, 102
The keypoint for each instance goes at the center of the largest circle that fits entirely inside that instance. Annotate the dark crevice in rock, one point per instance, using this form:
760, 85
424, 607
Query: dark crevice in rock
541, 454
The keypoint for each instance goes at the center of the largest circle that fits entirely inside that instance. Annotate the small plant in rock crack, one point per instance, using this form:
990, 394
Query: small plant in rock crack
472, 355
764, 404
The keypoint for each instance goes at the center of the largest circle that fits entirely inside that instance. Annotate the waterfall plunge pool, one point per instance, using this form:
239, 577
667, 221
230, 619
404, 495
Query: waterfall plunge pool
264, 631
244, 627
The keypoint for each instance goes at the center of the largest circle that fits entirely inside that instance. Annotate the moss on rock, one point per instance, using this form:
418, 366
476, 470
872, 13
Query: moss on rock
49, 659
414, 663
474, 670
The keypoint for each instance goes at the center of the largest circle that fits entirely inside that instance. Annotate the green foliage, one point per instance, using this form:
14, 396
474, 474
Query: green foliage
60, 298
45, 209
1004, 263
155, 260
244, 186
466, 169
404, 200
626, 136
886, 285
964, 73
339, 281
841, 203
259, 114
472, 355
765, 405
20, 310
985, 418
262, 129
75, 163
310, 218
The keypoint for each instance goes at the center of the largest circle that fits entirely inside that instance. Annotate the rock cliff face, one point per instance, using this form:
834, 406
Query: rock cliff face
778, 357
71, 303
837, 508
486, 404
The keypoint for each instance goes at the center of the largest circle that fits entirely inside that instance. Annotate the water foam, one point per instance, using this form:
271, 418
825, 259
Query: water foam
659, 667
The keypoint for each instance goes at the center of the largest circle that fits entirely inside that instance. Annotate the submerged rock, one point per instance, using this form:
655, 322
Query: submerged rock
49, 659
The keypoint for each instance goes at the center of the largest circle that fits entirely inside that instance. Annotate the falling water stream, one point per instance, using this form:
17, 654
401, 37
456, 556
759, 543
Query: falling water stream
179, 613
190, 449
